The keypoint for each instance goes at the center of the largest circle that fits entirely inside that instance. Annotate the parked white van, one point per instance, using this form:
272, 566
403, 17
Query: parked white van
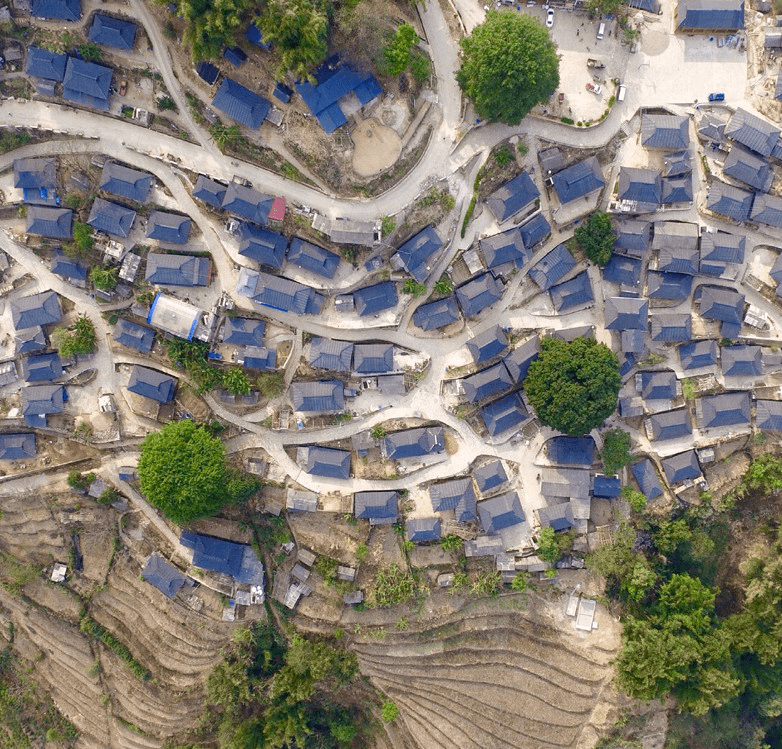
601, 31
620, 95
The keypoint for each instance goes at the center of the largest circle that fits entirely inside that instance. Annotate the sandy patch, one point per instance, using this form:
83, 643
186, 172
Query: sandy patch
377, 147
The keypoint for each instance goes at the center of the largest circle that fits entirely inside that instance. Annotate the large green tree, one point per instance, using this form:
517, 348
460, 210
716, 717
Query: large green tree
509, 65
182, 471
299, 29
210, 25
596, 237
574, 386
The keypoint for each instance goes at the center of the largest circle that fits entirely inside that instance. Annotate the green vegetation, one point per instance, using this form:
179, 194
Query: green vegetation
397, 51
616, 451
209, 26
224, 135
104, 279
520, 582
166, 103
636, 499
389, 711
393, 585
548, 548
443, 286
271, 384
596, 237
79, 338
90, 52
10, 140
387, 225
235, 381
574, 386
689, 389
183, 472
411, 286
378, 433
299, 30
93, 629
452, 542
83, 241
509, 65
503, 156
192, 357
362, 552
468, 214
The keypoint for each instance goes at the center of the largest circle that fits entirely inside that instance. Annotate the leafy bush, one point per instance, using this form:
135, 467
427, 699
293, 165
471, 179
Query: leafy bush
616, 451
392, 586
389, 711
468, 215
548, 548
79, 338
503, 155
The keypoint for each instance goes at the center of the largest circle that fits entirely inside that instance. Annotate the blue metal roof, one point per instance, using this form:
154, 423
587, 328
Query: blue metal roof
44, 64
485, 346
646, 476
698, 354
373, 299
437, 314
418, 530
672, 286
535, 230
571, 451
606, 486
514, 195
312, 257
623, 270
479, 293
209, 191
55, 223
241, 104
263, 245
552, 267
125, 182
254, 35
282, 92
504, 414
416, 254
207, 72
151, 384
322, 99
133, 335
235, 55
111, 218
247, 203
578, 180
57, 10
87, 83
112, 32
214, 554
573, 293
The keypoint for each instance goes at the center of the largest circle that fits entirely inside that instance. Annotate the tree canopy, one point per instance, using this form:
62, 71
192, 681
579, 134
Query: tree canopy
397, 51
210, 25
574, 386
596, 237
509, 65
183, 472
79, 338
299, 29
616, 451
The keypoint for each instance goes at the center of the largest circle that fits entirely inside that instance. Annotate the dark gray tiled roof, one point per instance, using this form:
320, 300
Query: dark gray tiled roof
517, 362
633, 236
671, 327
17, 446
729, 201
414, 443
505, 248
698, 354
164, 576
500, 512
578, 180
558, 517
325, 461
552, 267
418, 254
177, 270
665, 131
487, 382
741, 361
479, 293
768, 415
373, 299
241, 104
457, 495
504, 414
125, 182
767, 209
640, 185
677, 189
490, 476
535, 230
677, 163
571, 451
243, 331
335, 356
373, 358
133, 335
111, 218
168, 227
55, 223
422, 529
726, 409
437, 314
67, 268
35, 310
151, 384
112, 32
247, 203
675, 235
722, 247
259, 357
751, 131
325, 397
39, 401
626, 313
209, 191
485, 346
379, 506
312, 257
648, 481
711, 127
514, 195
572, 294
747, 167
29, 340
672, 286
726, 305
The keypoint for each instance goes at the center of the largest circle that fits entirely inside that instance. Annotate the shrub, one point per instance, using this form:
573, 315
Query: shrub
393, 585
616, 451
468, 215
389, 711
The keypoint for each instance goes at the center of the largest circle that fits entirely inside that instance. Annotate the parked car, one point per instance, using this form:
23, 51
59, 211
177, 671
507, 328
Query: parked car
549, 18
716, 97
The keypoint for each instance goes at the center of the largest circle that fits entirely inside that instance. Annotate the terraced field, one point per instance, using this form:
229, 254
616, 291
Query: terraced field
491, 680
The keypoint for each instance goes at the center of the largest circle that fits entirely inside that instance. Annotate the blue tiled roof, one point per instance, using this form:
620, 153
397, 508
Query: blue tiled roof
747, 167
163, 575
312, 257
322, 99
633, 236
535, 230
259, 358
665, 130
751, 131
35, 174
112, 32
509, 199
658, 385
55, 223
235, 55
578, 180
207, 72
44, 64
726, 305
437, 314
679, 260
573, 293
418, 252
168, 227
373, 299
134, 336
479, 293
414, 443
111, 218
623, 270
487, 382
671, 327
241, 104
571, 451
373, 358
243, 331
247, 203
504, 414
670, 424
767, 209
63, 266
722, 247
418, 530
151, 384
87, 83
17, 446
380, 505
286, 295
490, 476
263, 245
729, 201
485, 346
42, 368
769, 415
552, 267
503, 249
726, 409
606, 486
282, 92
327, 461
646, 476
517, 362
36, 310
214, 554
681, 467
254, 36
500, 512
318, 397
457, 494
125, 182
57, 10
698, 354
177, 270
742, 361
640, 185
40, 400
558, 517
326, 353
711, 15
626, 313
672, 286
209, 191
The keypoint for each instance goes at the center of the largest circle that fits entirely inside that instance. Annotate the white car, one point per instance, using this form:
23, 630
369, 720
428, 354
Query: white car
549, 18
